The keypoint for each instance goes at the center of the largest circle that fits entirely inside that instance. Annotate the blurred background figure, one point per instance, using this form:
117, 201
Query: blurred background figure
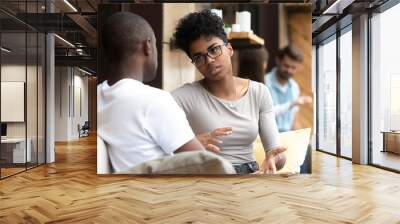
253, 63
284, 89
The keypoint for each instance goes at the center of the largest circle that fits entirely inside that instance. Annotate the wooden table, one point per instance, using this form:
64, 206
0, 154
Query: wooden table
13, 150
391, 141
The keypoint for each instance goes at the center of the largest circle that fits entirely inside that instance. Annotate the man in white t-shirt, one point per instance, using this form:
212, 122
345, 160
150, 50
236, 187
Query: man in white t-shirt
137, 122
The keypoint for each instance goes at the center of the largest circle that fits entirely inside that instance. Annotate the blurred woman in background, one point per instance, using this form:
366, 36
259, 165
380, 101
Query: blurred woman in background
253, 64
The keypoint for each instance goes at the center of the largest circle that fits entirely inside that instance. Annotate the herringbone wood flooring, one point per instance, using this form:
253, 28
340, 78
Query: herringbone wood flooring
69, 191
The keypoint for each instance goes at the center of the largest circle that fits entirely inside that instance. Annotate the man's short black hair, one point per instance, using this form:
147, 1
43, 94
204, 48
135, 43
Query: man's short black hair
292, 52
196, 25
122, 34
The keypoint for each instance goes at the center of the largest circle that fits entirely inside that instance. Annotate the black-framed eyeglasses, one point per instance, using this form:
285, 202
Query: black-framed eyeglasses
212, 52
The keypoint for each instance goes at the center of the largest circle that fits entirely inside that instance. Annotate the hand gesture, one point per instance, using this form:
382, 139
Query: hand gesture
210, 139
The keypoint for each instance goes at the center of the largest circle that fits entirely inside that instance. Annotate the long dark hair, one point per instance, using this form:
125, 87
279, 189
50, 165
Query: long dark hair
251, 63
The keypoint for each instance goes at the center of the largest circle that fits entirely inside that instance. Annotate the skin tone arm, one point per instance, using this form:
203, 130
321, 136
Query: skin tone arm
283, 108
192, 145
210, 139
274, 160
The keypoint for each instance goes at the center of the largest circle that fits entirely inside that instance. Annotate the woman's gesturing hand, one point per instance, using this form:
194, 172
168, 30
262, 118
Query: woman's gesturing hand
274, 160
210, 139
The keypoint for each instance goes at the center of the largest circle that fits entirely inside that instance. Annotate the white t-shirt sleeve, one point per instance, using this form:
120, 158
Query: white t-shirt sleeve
167, 124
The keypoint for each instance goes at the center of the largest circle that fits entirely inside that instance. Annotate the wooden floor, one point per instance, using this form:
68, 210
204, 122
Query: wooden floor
69, 191
10, 171
387, 159
5, 172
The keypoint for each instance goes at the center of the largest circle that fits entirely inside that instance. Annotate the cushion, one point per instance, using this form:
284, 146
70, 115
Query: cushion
193, 162
296, 142
103, 161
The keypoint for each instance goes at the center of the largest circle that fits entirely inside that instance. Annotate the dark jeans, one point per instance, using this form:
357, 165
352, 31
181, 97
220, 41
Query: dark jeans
246, 168
307, 164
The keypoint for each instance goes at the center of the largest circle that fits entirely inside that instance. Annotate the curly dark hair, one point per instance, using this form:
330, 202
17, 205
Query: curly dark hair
196, 25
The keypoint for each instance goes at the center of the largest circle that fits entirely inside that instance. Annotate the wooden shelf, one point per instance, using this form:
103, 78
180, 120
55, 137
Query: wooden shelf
245, 40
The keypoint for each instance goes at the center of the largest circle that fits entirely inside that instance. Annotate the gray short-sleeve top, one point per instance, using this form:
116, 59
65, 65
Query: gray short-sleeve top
249, 116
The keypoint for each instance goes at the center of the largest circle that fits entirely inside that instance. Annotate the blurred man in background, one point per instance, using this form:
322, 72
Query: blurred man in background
284, 89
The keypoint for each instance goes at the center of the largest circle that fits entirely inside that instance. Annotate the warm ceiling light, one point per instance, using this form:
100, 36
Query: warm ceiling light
338, 6
70, 5
5, 50
84, 71
65, 41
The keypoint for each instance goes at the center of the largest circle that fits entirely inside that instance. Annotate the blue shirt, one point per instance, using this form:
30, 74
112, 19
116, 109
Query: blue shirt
282, 97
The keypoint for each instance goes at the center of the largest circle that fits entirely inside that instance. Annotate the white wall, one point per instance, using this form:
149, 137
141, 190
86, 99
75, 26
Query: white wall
62, 80
80, 110
12, 73
71, 94
177, 69
34, 125
12, 100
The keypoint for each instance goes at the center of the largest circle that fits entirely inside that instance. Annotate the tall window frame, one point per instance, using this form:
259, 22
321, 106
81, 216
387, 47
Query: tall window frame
338, 139
373, 36
34, 68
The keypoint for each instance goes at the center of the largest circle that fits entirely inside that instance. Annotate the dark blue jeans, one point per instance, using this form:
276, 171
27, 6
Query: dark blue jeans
246, 168
307, 164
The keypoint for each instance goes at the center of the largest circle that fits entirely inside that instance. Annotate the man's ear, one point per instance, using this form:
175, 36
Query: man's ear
147, 47
265, 65
229, 46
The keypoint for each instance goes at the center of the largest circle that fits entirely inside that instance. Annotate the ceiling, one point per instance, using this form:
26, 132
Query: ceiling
76, 22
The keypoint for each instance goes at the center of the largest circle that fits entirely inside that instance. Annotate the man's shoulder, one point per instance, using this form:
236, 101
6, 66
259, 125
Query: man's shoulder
138, 89
294, 84
132, 91
156, 96
154, 100
154, 91
269, 77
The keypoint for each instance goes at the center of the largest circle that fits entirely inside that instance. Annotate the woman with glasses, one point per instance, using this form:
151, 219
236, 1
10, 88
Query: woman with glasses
225, 112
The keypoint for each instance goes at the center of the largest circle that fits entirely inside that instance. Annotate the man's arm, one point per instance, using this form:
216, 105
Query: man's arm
280, 109
192, 145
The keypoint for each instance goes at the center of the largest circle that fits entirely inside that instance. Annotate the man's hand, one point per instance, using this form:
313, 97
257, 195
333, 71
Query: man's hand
274, 160
209, 140
303, 100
